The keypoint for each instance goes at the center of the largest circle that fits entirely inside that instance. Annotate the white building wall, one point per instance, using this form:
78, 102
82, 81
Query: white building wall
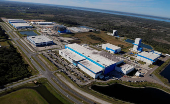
65, 56
120, 69
93, 75
118, 50
104, 47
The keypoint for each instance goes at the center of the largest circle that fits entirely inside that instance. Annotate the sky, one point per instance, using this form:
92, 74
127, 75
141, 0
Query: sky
148, 7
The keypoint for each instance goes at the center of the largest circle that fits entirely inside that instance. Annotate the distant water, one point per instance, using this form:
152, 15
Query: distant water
142, 45
166, 73
28, 33
120, 13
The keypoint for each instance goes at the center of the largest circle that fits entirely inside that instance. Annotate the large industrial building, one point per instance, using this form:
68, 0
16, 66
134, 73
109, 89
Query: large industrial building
149, 57
111, 48
89, 60
14, 20
40, 40
125, 69
19, 23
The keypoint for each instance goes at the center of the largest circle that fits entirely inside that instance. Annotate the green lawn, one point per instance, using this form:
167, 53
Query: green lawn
141, 62
23, 96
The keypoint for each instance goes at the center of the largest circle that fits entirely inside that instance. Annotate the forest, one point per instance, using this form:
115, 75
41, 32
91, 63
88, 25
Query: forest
154, 33
12, 67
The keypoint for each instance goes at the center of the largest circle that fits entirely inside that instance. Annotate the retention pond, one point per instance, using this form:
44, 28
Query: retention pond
166, 73
28, 33
134, 95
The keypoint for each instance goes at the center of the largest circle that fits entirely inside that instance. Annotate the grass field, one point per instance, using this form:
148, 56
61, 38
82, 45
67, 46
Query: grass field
23, 96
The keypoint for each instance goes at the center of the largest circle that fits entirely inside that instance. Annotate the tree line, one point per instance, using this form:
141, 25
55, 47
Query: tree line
12, 66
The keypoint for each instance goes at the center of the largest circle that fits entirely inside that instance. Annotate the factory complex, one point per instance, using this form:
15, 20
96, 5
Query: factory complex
89, 60
111, 48
40, 40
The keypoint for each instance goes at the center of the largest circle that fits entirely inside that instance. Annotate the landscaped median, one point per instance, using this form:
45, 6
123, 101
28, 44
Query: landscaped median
50, 65
38, 63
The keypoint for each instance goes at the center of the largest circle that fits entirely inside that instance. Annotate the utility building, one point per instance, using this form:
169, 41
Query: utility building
89, 60
149, 57
125, 69
111, 48
40, 40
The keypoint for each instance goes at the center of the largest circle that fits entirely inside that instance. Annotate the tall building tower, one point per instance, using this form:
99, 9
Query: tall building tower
137, 45
114, 32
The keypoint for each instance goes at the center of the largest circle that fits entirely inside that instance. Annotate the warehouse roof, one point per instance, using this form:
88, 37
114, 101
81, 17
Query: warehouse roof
149, 55
90, 66
111, 46
14, 19
19, 21
20, 24
111, 56
39, 39
93, 55
126, 67
72, 55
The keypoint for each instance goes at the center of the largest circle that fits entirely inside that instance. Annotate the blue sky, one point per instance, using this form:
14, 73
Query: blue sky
149, 7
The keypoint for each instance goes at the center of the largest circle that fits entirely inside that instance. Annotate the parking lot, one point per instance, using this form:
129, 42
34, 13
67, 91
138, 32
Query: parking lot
70, 70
